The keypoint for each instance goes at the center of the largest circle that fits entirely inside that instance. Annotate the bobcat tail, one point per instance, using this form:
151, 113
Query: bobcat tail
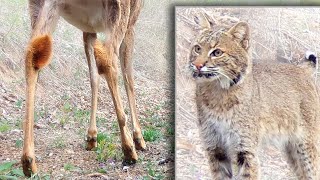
311, 56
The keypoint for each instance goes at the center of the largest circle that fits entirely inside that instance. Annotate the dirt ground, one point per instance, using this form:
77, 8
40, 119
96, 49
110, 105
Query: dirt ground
63, 101
277, 35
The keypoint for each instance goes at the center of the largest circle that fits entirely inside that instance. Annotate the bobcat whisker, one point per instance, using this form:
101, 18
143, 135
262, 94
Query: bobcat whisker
213, 68
222, 73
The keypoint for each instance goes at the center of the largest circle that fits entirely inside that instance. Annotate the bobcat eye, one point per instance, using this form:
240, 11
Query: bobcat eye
216, 53
197, 49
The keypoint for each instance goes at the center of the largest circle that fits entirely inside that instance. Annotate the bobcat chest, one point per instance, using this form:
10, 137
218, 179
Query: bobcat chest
219, 132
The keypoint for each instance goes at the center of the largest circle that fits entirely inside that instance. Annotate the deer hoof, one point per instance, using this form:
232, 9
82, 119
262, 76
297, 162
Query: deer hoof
28, 165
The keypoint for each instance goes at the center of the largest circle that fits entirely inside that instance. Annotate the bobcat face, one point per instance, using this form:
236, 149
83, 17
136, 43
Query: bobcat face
221, 55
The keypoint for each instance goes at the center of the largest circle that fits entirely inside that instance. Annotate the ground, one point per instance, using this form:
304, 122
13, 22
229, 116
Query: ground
277, 35
63, 102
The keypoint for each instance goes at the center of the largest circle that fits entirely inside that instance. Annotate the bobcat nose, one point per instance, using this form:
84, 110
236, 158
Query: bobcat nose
198, 66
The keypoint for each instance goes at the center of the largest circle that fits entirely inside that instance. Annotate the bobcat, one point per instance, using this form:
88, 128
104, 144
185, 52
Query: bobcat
240, 104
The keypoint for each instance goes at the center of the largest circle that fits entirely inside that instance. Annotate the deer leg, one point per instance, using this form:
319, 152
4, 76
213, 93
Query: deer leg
38, 55
126, 67
107, 65
89, 39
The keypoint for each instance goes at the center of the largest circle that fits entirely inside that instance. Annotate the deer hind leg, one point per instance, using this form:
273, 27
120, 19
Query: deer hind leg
106, 57
38, 55
126, 67
89, 39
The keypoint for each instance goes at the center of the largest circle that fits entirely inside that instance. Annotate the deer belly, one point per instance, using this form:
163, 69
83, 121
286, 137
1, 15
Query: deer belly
86, 15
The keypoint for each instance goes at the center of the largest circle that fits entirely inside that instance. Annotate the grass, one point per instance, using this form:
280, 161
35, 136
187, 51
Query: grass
81, 115
18, 123
4, 127
152, 173
69, 167
63, 120
115, 125
153, 116
151, 134
101, 121
18, 143
107, 148
170, 129
157, 123
67, 107
59, 142
8, 171
19, 104
69, 113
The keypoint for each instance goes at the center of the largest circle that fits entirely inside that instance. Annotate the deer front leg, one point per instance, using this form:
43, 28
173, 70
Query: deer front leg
126, 67
89, 39
38, 55
107, 65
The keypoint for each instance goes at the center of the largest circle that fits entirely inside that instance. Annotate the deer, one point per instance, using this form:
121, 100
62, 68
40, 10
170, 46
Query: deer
115, 18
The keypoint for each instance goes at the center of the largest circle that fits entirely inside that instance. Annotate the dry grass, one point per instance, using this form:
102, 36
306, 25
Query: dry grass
63, 97
278, 35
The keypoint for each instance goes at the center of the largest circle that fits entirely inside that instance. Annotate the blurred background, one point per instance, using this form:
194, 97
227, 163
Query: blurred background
277, 35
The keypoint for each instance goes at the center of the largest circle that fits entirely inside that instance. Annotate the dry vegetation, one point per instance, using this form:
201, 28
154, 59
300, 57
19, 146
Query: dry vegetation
63, 101
277, 35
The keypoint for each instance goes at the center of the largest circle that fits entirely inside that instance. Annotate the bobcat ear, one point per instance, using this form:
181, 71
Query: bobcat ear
241, 33
204, 20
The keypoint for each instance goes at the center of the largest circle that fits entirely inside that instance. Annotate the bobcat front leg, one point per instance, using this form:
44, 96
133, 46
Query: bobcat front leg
302, 156
220, 163
38, 55
246, 157
217, 150
248, 165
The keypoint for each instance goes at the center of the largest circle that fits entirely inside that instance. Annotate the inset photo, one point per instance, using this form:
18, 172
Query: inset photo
247, 98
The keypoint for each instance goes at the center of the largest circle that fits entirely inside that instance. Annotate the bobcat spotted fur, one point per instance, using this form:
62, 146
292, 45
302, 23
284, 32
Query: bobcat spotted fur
241, 103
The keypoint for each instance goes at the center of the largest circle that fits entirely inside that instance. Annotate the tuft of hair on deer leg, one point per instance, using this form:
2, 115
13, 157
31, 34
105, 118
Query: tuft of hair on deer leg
38, 55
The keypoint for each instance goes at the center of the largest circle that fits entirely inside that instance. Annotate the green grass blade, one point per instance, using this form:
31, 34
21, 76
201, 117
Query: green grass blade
6, 166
